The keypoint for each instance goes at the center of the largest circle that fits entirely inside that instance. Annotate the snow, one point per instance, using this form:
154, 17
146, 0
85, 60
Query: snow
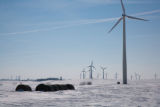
102, 93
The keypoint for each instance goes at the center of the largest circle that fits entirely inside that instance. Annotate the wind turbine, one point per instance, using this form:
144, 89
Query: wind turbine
83, 72
103, 69
155, 76
139, 76
91, 67
131, 77
123, 17
136, 75
116, 75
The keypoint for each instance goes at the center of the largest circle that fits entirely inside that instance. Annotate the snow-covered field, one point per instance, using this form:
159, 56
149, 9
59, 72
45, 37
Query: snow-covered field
102, 93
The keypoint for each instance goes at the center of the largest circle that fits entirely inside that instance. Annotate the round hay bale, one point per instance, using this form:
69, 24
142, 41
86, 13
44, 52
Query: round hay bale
70, 87
89, 83
23, 87
58, 87
64, 87
118, 82
44, 87
55, 88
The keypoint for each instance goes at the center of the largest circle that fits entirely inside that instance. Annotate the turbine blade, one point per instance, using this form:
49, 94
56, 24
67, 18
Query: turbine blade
123, 7
115, 24
131, 17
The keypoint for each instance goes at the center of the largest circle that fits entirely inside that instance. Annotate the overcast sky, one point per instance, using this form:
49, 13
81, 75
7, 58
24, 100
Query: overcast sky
53, 38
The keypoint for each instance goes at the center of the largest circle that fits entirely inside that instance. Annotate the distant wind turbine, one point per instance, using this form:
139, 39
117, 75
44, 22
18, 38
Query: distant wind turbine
116, 75
131, 77
103, 69
91, 67
155, 76
124, 39
139, 77
136, 75
83, 72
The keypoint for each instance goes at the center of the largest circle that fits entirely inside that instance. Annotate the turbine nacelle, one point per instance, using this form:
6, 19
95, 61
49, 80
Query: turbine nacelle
103, 68
123, 14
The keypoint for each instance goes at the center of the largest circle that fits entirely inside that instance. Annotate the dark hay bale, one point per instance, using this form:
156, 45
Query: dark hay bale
61, 86
89, 83
58, 86
23, 87
64, 87
70, 87
55, 88
44, 87
118, 82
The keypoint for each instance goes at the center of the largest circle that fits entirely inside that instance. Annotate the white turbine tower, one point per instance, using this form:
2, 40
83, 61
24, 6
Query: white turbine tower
155, 76
103, 69
83, 72
116, 75
124, 16
91, 67
136, 75
131, 77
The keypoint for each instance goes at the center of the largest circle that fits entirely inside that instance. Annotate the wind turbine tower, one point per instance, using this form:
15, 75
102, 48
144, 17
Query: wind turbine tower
139, 77
103, 69
123, 17
155, 76
91, 67
136, 75
116, 75
83, 72
131, 77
